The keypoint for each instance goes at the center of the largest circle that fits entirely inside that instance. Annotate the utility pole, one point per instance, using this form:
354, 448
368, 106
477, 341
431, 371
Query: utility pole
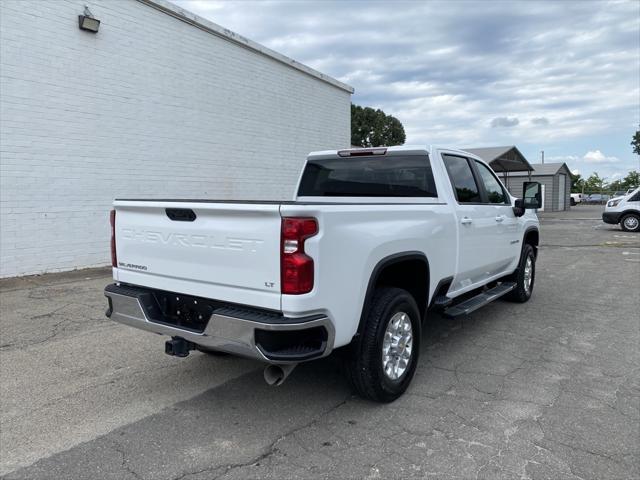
542, 154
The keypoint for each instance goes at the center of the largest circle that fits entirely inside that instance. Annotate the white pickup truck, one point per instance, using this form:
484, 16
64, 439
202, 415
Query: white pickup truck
374, 240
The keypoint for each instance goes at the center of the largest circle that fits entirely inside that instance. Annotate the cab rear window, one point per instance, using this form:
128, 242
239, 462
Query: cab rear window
374, 176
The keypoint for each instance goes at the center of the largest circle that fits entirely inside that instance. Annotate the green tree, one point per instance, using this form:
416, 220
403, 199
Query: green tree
632, 179
635, 142
594, 183
615, 186
577, 182
374, 128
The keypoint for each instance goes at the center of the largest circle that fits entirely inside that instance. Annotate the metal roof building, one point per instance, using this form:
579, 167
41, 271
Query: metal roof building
514, 169
556, 184
503, 159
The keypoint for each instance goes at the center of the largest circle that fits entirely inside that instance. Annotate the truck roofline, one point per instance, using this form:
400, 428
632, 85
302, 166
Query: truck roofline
403, 149
395, 150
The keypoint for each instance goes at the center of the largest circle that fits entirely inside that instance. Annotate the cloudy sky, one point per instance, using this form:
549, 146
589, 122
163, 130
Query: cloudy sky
563, 77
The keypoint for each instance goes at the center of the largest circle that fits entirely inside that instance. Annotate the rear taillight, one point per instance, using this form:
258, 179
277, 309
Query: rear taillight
112, 221
296, 267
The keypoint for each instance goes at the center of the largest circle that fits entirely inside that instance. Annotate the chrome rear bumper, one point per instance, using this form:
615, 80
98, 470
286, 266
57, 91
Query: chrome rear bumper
229, 329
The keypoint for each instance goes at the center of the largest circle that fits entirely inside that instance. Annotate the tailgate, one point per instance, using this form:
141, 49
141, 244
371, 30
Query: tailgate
229, 252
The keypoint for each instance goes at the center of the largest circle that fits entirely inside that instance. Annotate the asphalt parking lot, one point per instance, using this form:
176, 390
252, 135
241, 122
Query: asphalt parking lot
545, 390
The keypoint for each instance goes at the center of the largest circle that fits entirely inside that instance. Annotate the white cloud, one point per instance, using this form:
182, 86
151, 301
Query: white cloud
562, 75
596, 156
575, 171
562, 158
202, 6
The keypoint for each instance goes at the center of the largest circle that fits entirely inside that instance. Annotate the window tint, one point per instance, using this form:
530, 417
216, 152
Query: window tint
374, 176
495, 193
462, 179
635, 198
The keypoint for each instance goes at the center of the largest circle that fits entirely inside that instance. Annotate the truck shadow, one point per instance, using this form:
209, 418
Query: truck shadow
327, 374
243, 420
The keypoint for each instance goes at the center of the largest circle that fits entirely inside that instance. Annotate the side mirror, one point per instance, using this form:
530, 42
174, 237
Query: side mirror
532, 194
532, 198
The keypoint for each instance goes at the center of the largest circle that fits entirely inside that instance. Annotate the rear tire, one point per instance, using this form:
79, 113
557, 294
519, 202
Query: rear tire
573, 202
382, 361
524, 276
630, 222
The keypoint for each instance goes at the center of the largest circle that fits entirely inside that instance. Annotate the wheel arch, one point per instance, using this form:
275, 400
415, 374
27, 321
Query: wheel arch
531, 237
415, 267
629, 212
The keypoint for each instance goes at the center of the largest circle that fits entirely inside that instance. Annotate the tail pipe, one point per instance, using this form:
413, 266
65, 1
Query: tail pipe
275, 375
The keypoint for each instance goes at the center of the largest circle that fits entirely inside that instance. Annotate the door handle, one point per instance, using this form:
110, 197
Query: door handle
466, 221
500, 218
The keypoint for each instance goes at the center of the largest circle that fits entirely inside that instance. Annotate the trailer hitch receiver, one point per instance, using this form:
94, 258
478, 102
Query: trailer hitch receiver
178, 347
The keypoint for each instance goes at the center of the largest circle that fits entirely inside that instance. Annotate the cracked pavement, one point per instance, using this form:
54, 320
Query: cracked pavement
549, 389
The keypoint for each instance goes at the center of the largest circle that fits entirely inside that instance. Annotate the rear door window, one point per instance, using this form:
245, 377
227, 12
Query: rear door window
370, 176
462, 179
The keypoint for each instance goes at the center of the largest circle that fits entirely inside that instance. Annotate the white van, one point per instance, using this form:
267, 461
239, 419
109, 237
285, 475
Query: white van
624, 211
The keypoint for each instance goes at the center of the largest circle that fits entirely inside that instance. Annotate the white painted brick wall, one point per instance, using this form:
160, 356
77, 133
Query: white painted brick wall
149, 107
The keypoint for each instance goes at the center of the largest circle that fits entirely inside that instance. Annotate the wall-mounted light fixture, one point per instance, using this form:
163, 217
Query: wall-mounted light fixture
88, 22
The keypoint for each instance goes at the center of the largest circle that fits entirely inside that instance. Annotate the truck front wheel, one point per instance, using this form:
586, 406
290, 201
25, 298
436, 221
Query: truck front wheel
524, 276
383, 359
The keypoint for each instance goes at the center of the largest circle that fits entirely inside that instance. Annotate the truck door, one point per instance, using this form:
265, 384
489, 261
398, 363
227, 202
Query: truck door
506, 243
477, 229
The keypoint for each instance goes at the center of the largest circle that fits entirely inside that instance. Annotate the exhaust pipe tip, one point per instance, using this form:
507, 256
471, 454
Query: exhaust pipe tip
275, 375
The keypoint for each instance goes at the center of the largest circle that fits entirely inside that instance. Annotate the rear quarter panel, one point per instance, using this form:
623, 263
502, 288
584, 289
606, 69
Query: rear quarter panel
353, 239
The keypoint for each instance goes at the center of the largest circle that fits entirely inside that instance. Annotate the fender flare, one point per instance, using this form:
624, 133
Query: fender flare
526, 232
524, 235
375, 274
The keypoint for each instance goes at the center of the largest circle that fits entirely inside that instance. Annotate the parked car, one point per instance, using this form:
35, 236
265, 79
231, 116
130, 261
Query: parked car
596, 198
373, 240
576, 198
624, 211
619, 193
